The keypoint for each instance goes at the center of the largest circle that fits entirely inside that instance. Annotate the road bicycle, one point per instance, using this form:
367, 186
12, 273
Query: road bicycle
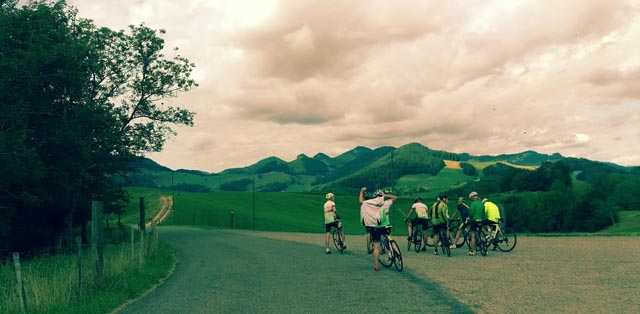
389, 251
444, 241
505, 239
415, 238
482, 238
454, 226
336, 234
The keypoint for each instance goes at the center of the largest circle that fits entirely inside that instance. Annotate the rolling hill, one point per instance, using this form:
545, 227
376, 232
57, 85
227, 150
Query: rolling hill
407, 170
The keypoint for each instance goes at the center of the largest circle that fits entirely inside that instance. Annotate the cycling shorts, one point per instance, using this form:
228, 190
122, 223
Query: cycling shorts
474, 225
437, 228
376, 233
490, 223
424, 222
336, 224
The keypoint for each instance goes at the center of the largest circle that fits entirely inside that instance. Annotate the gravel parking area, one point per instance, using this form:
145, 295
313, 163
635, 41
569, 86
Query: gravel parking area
541, 275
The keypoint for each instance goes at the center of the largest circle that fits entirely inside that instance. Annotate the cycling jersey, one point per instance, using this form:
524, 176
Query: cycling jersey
464, 211
476, 211
421, 210
439, 213
492, 213
375, 212
329, 212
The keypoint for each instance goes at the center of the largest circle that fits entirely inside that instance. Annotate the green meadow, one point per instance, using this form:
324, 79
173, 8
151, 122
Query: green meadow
293, 212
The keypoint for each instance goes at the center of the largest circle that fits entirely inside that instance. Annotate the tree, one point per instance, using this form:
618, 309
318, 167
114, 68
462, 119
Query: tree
77, 103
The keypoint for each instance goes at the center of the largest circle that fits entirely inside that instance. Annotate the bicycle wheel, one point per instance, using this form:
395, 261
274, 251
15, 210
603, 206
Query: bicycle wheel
461, 240
386, 255
417, 240
430, 240
397, 256
444, 242
481, 243
337, 240
506, 239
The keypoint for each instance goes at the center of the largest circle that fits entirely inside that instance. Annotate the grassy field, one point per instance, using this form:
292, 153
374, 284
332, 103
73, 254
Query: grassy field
290, 212
51, 282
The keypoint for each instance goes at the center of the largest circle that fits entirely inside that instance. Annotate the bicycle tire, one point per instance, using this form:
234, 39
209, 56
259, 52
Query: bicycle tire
417, 240
430, 241
386, 255
444, 243
397, 256
506, 239
482, 243
337, 240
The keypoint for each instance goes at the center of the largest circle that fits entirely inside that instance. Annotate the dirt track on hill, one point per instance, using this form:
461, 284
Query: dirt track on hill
541, 275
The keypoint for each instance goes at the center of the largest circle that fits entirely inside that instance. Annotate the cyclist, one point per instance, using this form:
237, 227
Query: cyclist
492, 217
463, 210
375, 217
476, 213
439, 219
421, 218
331, 219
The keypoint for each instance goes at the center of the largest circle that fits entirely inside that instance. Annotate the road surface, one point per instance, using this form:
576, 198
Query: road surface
221, 271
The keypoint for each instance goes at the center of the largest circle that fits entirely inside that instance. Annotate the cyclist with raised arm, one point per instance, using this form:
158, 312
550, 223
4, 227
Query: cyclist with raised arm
375, 218
421, 219
463, 210
476, 213
439, 219
331, 219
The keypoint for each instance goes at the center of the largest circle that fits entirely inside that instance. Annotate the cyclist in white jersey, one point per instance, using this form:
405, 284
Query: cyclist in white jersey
331, 219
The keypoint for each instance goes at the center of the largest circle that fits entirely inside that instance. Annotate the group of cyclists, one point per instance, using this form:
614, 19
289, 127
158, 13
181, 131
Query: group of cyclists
479, 214
374, 214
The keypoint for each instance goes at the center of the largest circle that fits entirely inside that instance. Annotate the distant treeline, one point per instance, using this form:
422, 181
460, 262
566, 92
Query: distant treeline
546, 200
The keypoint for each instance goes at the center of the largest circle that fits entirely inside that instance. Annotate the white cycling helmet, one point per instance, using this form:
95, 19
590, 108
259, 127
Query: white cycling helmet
472, 194
329, 196
378, 193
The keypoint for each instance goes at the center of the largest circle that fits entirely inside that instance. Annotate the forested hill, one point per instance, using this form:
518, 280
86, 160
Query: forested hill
402, 168
537, 192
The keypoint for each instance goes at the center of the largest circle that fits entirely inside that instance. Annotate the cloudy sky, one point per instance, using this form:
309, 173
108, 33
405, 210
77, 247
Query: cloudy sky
282, 78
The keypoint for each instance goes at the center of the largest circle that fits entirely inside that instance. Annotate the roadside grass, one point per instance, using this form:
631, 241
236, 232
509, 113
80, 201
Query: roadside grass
51, 282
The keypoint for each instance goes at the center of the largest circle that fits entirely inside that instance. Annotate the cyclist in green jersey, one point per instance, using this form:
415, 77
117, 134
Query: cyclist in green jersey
476, 213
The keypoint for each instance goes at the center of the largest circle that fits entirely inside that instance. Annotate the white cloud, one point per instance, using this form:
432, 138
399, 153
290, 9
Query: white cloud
280, 78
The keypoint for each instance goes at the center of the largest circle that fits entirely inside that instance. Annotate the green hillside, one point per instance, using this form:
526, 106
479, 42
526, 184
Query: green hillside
288, 212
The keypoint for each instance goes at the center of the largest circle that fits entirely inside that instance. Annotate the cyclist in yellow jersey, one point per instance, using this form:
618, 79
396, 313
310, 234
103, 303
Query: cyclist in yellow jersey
492, 216
439, 218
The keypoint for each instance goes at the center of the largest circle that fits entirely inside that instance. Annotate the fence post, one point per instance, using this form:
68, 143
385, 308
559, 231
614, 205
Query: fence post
23, 297
96, 217
141, 250
141, 224
79, 243
155, 240
133, 231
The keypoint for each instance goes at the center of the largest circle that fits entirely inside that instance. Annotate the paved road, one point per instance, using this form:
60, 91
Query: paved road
225, 272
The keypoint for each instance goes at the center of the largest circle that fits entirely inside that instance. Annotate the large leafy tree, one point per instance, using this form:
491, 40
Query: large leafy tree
77, 103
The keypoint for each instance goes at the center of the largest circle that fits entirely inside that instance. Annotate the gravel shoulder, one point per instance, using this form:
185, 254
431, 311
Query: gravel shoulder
541, 275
